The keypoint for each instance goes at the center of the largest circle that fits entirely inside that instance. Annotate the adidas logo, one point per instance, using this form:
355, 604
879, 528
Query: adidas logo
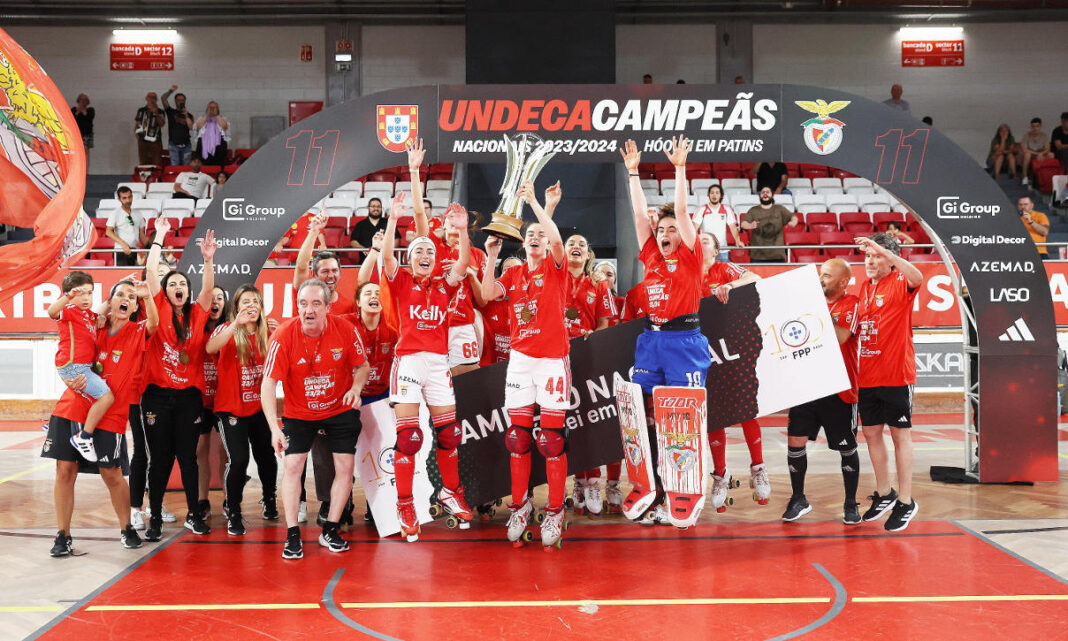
843, 442
301, 361
903, 419
1018, 332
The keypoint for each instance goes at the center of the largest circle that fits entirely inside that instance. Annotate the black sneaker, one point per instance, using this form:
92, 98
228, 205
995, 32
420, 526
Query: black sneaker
196, 525
204, 510
270, 508
63, 545
331, 539
235, 526
880, 505
324, 513
155, 529
346, 515
851, 514
129, 538
368, 517
293, 549
901, 516
226, 510
796, 508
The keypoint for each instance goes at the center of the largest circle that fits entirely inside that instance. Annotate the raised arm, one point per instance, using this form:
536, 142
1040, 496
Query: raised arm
207, 283
367, 267
676, 153
631, 158
491, 289
415, 160
149, 303
301, 271
389, 260
57, 306
163, 227
457, 215
545, 219
912, 275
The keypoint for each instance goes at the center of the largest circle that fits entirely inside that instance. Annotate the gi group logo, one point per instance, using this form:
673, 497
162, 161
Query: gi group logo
397, 126
823, 134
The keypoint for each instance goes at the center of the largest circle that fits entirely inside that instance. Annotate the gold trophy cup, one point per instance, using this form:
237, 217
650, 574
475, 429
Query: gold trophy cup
527, 156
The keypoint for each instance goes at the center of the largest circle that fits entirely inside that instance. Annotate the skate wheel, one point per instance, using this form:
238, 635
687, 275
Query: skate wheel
569, 503
735, 483
435, 510
567, 525
465, 525
730, 500
528, 536
559, 544
412, 538
547, 548
451, 522
498, 503
539, 517
755, 497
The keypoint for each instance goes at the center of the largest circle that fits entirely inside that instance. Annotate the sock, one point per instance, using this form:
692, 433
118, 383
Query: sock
556, 473
449, 465
751, 429
519, 464
613, 470
330, 525
293, 531
797, 461
717, 442
404, 470
850, 474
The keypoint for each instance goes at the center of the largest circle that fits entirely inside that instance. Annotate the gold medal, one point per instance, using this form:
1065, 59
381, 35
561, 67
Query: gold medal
526, 315
98, 367
572, 313
183, 358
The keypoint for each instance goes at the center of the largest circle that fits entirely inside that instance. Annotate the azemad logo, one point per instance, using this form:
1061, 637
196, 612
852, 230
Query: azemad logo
953, 208
823, 134
237, 209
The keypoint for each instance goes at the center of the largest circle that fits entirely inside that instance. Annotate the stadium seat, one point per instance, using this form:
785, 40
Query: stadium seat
793, 170
806, 203
858, 186
138, 189
160, 191
839, 203
403, 185
107, 258
353, 187
925, 258
1044, 171
813, 171
177, 208
338, 222
837, 238
699, 170
738, 256
857, 223
841, 173
792, 237
339, 206
201, 205
872, 203
737, 183
743, 202
103, 242
799, 186
147, 207
699, 186
827, 186
786, 200
883, 218
333, 237
100, 224
808, 258
821, 221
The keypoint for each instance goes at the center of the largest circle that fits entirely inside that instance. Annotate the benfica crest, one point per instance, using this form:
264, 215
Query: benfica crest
397, 126
823, 134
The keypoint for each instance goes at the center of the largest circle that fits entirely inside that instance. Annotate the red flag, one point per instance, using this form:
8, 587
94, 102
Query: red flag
42, 171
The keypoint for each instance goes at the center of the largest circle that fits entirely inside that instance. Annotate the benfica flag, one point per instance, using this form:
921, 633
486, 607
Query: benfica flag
42, 174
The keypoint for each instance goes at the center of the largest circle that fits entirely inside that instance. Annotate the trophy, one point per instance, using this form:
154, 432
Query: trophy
527, 156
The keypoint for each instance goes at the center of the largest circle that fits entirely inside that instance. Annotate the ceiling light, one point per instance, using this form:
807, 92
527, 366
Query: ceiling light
145, 35
930, 33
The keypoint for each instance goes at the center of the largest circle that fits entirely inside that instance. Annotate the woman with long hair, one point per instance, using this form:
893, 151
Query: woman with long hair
216, 315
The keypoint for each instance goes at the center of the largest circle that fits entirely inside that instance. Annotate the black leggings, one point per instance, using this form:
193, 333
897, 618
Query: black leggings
238, 433
139, 462
172, 428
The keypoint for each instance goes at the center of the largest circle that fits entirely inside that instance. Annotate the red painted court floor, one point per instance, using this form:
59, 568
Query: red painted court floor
815, 580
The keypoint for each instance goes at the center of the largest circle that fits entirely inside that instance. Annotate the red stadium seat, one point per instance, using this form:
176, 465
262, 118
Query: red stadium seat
857, 223
178, 242
793, 169
809, 170
925, 258
699, 170
841, 173
808, 258
738, 256
791, 237
837, 238
103, 242
90, 262
824, 221
333, 237
883, 218
1044, 172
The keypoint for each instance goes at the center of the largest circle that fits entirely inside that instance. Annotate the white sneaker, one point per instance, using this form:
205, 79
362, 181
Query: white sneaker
1025, 181
165, 515
758, 480
137, 520
578, 495
656, 516
552, 528
720, 485
517, 522
614, 496
302, 513
592, 494
83, 442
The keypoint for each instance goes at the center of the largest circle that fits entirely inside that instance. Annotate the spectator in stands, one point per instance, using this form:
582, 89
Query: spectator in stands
127, 228
716, 217
771, 174
647, 79
1034, 146
221, 178
213, 133
765, 223
365, 230
1058, 141
179, 122
927, 120
1003, 148
895, 101
893, 228
1036, 222
193, 183
83, 115
148, 128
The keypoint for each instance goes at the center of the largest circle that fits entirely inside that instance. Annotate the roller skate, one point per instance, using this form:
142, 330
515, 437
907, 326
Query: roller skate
518, 533
552, 529
614, 496
656, 515
758, 480
593, 496
720, 485
577, 500
452, 504
409, 522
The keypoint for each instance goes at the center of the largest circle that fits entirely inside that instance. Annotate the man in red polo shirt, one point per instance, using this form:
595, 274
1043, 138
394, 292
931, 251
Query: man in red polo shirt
320, 361
887, 373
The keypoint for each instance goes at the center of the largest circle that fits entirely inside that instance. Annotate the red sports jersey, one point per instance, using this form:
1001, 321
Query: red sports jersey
343, 305
536, 300
496, 336
422, 311
238, 389
315, 372
844, 314
586, 304
672, 285
298, 231
122, 356
170, 364
720, 274
618, 301
379, 346
634, 304
77, 336
887, 356
461, 307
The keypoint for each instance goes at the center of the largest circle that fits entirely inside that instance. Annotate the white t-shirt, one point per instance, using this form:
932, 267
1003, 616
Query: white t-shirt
714, 220
127, 226
195, 183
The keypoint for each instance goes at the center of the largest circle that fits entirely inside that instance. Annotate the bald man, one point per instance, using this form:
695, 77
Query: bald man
837, 413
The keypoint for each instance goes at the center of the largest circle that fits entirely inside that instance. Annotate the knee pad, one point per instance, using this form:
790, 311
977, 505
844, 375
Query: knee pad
409, 440
518, 440
449, 436
551, 443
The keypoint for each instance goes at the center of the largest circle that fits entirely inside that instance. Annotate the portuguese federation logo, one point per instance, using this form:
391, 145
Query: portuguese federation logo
823, 134
397, 126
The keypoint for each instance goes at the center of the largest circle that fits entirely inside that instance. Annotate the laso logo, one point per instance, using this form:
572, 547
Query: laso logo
992, 239
952, 207
237, 209
1010, 294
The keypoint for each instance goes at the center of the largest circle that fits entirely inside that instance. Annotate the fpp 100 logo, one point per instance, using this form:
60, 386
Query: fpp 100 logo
237, 209
953, 208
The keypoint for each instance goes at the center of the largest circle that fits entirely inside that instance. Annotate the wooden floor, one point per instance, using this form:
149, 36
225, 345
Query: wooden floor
1025, 527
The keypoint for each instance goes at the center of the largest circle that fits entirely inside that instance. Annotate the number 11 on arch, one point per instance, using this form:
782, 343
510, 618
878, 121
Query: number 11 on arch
310, 150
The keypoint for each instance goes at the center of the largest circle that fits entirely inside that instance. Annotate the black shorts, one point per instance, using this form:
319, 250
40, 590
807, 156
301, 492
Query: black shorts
110, 446
339, 433
208, 422
837, 418
886, 405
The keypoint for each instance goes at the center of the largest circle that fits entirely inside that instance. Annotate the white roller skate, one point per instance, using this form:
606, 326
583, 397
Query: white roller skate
720, 485
459, 514
409, 522
593, 496
517, 523
552, 529
577, 500
614, 496
655, 515
758, 480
